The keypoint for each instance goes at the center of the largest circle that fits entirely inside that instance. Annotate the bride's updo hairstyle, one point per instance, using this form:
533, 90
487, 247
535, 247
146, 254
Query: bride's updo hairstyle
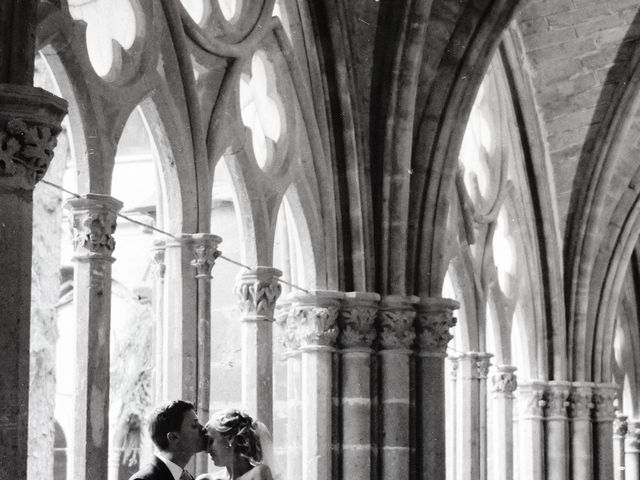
240, 430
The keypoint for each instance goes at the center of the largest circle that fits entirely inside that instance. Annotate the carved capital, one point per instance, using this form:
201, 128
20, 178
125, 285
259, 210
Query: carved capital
315, 318
482, 362
357, 320
205, 252
30, 121
620, 425
558, 399
632, 442
504, 380
434, 318
453, 367
603, 401
286, 323
531, 399
581, 401
258, 290
396, 322
157, 258
93, 220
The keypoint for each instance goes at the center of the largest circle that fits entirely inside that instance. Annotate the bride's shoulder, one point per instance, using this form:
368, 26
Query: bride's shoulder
259, 472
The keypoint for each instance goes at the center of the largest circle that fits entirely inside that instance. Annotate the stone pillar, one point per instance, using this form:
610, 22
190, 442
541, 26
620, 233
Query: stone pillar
632, 451
581, 435
316, 315
94, 221
620, 430
205, 252
530, 455
451, 415
257, 291
291, 343
357, 333
433, 320
500, 446
29, 124
557, 441
396, 338
471, 428
603, 416
159, 269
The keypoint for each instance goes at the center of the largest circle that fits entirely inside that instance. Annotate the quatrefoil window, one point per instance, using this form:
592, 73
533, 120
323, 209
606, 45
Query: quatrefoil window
260, 111
108, 21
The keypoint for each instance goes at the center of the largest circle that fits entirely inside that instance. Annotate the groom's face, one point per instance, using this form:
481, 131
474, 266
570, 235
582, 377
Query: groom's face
190, 438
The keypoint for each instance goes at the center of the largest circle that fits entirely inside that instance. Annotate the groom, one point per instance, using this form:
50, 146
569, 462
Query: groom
177, 433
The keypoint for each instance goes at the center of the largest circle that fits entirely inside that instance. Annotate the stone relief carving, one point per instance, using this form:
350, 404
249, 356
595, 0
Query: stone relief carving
258, 296
481, 366
580, 403
532, 401
620, 425
396, 329
93, 231
357, 326
604, 408
557, 402
205, 256
315, 325
504, 382
433, 330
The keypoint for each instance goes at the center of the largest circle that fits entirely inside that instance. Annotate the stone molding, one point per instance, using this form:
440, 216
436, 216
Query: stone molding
581, 400
434, 318
314, 317
396, 322
531, 399
30, 121
557, 400
504, 380
604, 395
258, 291
620, 425
93, 220
205, 252
357, 320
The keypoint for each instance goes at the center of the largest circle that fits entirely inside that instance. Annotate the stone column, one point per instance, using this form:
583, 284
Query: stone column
94, 221
257, 291
530, 455
503, 384
557, 440
603, 416
620, 429
471, 429
159, 269
396, 338
433, 320
29, 124
357, 333
205, 252
632, 451
316, 315
451, 415
292, 355
581, 435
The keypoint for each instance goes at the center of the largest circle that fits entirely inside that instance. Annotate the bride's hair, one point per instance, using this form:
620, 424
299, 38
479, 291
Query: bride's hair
240, 429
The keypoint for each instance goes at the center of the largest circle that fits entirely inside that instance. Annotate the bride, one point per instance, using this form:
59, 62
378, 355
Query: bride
237, 442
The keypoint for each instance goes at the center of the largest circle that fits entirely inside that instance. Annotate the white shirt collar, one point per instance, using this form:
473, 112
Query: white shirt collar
175, 470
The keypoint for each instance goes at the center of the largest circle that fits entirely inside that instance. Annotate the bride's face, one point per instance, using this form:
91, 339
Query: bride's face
219, 449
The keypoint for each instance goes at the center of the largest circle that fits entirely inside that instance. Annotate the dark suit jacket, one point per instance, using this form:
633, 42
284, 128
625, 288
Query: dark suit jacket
156, 470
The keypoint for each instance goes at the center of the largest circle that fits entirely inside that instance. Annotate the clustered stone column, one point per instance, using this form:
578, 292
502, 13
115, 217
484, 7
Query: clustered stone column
315, 315
603, 417
632, 451
29, 124
581, 433
258, 290
397, 334
94, 222
433, 320
159, 269
531, 405
503, 383
451, 408
471, 431
620, 429
357, 334
557, 460
205, 252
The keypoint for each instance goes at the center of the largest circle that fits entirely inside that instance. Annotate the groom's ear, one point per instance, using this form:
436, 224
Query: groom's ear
172, 436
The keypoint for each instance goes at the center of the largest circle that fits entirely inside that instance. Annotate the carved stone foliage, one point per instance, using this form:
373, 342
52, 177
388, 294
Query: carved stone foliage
29, 125
316, 325
357, 326
289, 335
580, 403
205, 252
620, 425
557, 401
482, 362
633, 437
258, 291
158, 255
396, 329
603, 397
504, 380
94, 222
434, 318
531, 399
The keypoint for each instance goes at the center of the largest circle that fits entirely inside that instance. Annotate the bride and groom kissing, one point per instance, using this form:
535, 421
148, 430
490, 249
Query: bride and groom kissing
232, 438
